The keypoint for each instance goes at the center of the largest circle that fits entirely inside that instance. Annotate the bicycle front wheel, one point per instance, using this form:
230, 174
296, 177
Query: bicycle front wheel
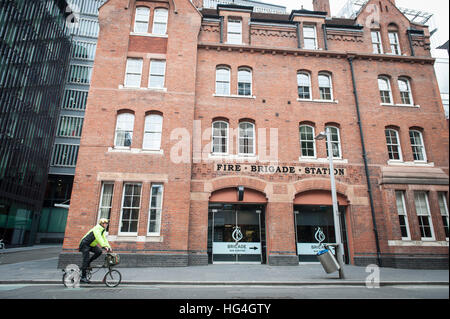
112, 278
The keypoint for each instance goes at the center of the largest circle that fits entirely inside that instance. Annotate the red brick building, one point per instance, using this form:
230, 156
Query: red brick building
199, 145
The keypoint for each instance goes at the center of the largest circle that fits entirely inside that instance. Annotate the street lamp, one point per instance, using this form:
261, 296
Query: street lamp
337, 225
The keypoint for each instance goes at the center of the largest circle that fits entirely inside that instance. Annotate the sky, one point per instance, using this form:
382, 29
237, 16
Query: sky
440, 9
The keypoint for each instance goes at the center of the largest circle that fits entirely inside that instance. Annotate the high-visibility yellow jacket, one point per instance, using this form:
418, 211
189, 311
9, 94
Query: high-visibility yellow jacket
95, 236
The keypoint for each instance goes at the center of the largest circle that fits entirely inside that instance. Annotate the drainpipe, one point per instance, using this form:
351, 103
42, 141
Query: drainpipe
410, 43
364, 155
221, 29
324, 27
299, 38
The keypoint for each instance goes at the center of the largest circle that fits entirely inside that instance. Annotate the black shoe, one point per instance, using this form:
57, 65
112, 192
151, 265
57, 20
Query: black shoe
84, 280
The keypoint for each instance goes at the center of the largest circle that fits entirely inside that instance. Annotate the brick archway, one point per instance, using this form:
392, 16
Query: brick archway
320, 184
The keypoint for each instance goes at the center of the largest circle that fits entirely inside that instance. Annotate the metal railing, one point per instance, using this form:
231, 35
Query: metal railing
257, 6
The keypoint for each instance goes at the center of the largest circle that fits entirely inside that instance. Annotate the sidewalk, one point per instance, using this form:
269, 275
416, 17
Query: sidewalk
39, 268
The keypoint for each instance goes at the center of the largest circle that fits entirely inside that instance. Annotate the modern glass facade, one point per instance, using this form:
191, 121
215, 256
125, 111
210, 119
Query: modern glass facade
34, 52
64, 152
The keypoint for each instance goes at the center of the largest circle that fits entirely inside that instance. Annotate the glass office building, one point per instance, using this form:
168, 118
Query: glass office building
34, 54
70, 122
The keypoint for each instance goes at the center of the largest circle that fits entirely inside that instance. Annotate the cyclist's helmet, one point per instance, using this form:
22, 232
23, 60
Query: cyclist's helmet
103, 220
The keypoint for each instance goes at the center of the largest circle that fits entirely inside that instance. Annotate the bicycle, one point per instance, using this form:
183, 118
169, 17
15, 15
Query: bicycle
112, 278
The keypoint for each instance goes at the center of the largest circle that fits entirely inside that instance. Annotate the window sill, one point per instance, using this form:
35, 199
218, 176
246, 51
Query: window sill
318, 101
401, 163
134, 151
400, 105
149, 35
424, 242
135, 238
240, 157
132, 88
236, 96
322, 160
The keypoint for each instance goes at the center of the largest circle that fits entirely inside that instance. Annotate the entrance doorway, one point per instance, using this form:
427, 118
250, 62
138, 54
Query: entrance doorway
314, 225
236, 233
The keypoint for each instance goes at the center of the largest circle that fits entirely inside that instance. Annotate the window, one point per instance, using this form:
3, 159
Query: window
444, 211
141, 20
130, 208
154, 214
75, 99
423, 214
124, 130
246, 138
325, 88
223, 81
405, 91
309, 37
152, 132
133, 73
393, 40
385, 90
335, 142
157, 73
65, 155
80, 74
393, 145
304, 86
401, 210
234, 35
244, 82
70, 126
220, 137
307, 142
104, 209
418, 148
160, 21
376, 42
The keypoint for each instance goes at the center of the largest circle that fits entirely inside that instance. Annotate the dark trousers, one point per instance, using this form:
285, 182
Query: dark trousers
85, 249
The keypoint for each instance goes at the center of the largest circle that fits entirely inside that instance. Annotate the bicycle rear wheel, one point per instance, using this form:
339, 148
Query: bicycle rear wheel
112, 278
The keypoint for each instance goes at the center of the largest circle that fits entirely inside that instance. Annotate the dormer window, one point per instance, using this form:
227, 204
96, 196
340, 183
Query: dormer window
309, 37
234, 33
395, 45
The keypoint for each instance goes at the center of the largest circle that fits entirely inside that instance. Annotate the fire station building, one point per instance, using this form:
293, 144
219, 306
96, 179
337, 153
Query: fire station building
199, 142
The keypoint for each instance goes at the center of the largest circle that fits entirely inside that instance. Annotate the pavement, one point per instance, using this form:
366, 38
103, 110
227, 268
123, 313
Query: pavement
38, 265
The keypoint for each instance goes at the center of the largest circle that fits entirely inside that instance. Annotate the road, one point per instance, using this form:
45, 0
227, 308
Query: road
99, 291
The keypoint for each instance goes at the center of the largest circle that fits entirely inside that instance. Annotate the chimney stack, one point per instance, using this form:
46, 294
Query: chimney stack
322, 5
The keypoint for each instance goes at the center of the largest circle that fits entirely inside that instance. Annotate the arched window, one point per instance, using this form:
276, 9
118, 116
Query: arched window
304, 86
124, 130
152, 132
385, 90
307, 142
244, 81
141, 20
405, 91
393, 145
223, 80
246, 138
325, 87
418, 147
160, 21
220, 137
335, 141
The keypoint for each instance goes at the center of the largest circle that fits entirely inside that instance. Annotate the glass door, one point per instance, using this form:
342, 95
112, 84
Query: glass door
236, 234
315, 226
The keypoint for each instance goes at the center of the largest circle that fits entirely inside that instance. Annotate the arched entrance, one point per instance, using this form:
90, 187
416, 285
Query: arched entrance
236, 226
314, 223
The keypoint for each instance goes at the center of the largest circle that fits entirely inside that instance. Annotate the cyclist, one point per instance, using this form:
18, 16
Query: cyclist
89, 243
